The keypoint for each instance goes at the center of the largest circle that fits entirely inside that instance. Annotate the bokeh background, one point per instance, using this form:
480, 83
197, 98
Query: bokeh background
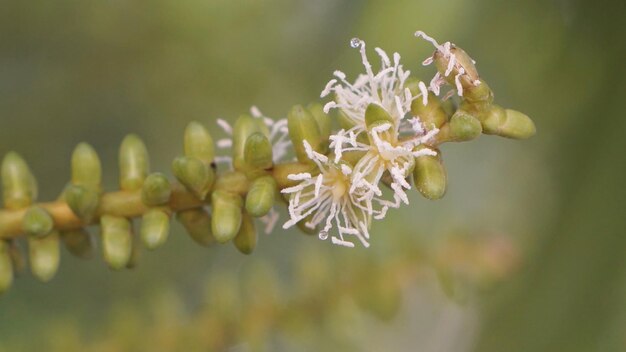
527, 252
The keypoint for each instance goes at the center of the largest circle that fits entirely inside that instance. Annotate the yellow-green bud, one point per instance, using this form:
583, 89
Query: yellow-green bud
6, 267
245, 241
156, 189
226, 216
18, 184
303, 127
508, 123
478, 93
44, 255
376, 113
134, 163
116, 241
195, 175
258, 151
324, 122
155, 228
461, 127
37, 222
429, 176
261, 196
83, 201
243, 128
197, 222
79, 242
198, 142
86, 167
431, 114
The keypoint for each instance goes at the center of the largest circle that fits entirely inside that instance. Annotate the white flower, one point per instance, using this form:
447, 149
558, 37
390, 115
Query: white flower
445, 50
326, 200
385, 88
393, 145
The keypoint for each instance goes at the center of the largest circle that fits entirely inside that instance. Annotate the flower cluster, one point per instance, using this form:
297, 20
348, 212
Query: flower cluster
386, 137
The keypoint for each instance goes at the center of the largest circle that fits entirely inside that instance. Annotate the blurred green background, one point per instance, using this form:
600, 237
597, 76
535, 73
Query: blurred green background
73, 71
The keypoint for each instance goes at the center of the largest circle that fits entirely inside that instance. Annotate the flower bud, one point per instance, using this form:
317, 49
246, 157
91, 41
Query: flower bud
134, 163
517, 126
116, 241
226, 217
324, 122
375, 113
86, 167
244, 127
44, 255
258, 152
155, 228
79, 242
234, 181
37, 222
261, 196
303, 126
6, 267
18, 184
245, 241
480, 93
156, 190
461, 127
429, 176
197, 222
195, 175
198, 143
83, 201
432, 114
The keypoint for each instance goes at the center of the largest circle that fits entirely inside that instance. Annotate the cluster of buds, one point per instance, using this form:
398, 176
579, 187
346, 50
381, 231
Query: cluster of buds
333, 181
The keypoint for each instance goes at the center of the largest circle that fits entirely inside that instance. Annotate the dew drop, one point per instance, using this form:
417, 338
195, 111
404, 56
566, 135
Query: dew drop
323, 235
355, 42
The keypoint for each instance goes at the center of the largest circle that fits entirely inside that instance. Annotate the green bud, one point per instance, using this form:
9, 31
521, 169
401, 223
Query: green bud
197, 222
37, 222
303, 126
195, 175
517, 126
6, 267
155, 228
83, 202
198, 143
44, 256
324, 122
245, 241
244, 127
375, 113
478, 94
462, 127
431, 114
79, 242
18, 184
116, 241
261, 196
258, 151
156, 189
86, 167
226, 219
429, 176
134, 163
